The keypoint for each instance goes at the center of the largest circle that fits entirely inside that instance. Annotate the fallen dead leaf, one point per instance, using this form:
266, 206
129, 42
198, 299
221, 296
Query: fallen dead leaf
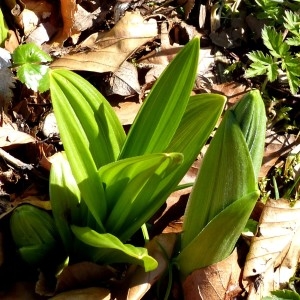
111, 49
9, 138
137, 281
219, 281
276, 147
124, 81
127, 111
83, 274
93, 293
68, 9
275, 250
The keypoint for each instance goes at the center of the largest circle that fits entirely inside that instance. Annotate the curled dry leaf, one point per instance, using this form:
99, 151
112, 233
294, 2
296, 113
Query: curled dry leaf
124, 81
112, 48
83, 274
275, 250
93, 293
137, 281
9, 137
219, 281
67, 10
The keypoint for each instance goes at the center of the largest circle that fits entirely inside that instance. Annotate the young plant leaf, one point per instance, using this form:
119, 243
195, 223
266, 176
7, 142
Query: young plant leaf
251, 117
65, 198
262, 64
29, 59
200, 117
111, 250
226, 175
217, 240
291, 66
161, 113
90, 131
274, 41
125, 183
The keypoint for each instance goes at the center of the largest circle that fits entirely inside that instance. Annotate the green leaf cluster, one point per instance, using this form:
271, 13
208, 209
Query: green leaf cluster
107, 185
30, 62
226, 187
273, 11
280, 59
120, 181
283, 295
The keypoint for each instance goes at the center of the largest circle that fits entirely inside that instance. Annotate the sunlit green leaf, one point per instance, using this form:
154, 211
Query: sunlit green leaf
91, 133
126, 184
226, 175
30, 53
199, 118
112, 250
161, 113
217, 240
274, 41
251, 117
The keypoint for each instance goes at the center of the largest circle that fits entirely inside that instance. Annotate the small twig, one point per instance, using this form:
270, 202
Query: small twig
14, 161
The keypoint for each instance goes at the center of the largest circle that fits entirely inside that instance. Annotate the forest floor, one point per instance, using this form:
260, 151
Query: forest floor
124, 72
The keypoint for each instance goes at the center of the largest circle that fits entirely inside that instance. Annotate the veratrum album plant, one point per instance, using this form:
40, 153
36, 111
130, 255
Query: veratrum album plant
226, 189
107, 185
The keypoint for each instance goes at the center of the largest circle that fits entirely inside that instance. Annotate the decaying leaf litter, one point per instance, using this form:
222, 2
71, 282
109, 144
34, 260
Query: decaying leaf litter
118, 47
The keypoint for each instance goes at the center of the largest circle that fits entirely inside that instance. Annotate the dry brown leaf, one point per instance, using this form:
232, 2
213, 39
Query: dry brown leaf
126, 111
233, 91
124, 81
277, 146
10, 137
275, 250
67, 10
93, 293
112, 48
137, 281
219, 281
35, 12
83, 274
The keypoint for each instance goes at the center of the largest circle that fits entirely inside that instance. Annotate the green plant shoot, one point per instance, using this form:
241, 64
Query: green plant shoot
107, 184
226, 188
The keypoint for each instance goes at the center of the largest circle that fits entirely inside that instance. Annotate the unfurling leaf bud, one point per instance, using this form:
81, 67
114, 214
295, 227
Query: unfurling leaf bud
34, 233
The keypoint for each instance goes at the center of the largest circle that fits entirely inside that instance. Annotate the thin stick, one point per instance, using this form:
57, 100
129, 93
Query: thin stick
14, 161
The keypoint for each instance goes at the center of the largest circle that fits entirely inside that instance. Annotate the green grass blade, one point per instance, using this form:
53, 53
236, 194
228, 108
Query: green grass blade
226, 174
125, 182
217, 240
107, 248
194, 129
250, 114
161, 113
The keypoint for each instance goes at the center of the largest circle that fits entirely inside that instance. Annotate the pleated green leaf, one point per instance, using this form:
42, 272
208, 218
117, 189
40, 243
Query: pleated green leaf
109, 249
250, 114
125, 183
226, 175
217, 240
90, 131
195, 127
35, 235
65, 198
161, 113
